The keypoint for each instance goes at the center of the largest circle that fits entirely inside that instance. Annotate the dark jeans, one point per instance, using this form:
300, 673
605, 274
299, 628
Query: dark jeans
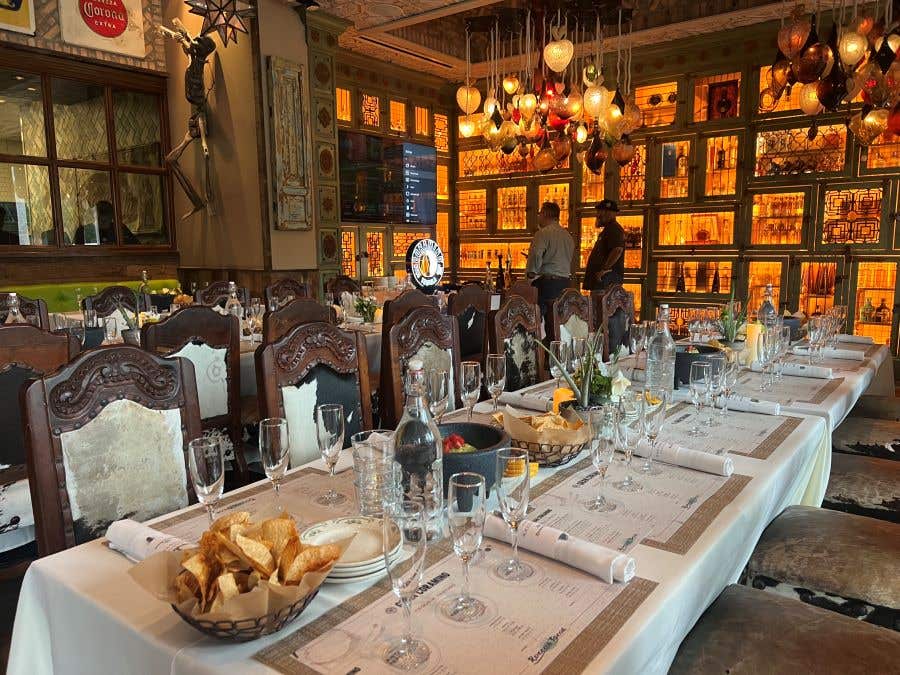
548, 291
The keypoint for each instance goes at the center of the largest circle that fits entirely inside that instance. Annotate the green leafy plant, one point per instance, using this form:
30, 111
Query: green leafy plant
730, 319
365, 307
132, 319
589, 384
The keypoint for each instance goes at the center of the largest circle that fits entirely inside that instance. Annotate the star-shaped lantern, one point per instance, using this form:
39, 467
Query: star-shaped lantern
223, 16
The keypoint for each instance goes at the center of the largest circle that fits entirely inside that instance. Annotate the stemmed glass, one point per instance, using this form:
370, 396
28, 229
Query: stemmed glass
496, 376
716, 378
653, 414
330, 434
764, 342
110, 329
628, 435
699, 385
274, 446
466, 497
405, 569
636, 337
729, 380
438, 382
471, 384
513, 484
576, 350
560, 360
207, 465
603, 447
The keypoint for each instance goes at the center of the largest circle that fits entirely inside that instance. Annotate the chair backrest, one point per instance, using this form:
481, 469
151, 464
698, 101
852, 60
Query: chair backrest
107, 438
302, 310
515, 331
523, 288
339, 284
429, 335
614, 299
107, 301
284, 290
217, 293
314, 363
571, 316
471, 306
35, 310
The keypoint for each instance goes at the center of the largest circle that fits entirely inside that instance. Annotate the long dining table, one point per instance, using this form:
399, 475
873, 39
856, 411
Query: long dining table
689, 533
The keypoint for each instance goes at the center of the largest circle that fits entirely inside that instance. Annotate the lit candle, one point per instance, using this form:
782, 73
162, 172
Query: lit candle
751, 345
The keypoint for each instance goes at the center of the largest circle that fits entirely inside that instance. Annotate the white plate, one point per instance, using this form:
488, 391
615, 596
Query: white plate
359, 571
366, 548
372, 576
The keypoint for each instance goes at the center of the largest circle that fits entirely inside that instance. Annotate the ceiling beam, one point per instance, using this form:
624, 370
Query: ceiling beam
447, 10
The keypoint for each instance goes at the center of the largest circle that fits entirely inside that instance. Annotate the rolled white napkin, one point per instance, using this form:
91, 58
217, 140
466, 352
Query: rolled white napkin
799, 370
834, 353
602, 562
527, 401
138, 542
671, 453
753, 405
855, 339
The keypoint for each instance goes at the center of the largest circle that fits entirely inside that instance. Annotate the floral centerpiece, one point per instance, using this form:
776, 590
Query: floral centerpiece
732, 318
365, 307
594, 382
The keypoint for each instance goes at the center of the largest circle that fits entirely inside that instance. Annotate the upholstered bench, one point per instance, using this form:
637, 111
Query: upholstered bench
838, 561
748, 631
865, 486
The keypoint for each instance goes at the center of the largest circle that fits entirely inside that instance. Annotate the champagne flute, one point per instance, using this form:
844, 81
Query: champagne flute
559, 361
513, 484
330, 434
716, 377
274, 446
699, 386
603, 447
466, 496
628, 435
207, 465
653, 414
438, 382
577, 347
496, 376
471, 384
405, 568
110, 329
731, 375
785, 348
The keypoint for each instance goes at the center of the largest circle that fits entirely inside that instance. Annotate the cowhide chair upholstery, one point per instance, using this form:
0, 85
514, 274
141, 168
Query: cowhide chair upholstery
866, 486
26, 353
277, 323
837, 561
613, 311
212, 343
34, 310
107, 438
746, 631
515, 331
340, 284
314, 363
571, 316
217, 294
471, 306
283, 291
425, 334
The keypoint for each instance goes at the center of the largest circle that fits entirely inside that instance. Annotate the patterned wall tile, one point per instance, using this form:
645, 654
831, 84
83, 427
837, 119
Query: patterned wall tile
326, 161
328, 204
323, 112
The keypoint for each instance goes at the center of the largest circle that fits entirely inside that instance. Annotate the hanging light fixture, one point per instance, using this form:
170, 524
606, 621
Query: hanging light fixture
869, 125
617, 105
581, 134
467, 126
793, 36
809, 99
511, 84
813, 59
222, 16
468, 98
852, 48
559, 51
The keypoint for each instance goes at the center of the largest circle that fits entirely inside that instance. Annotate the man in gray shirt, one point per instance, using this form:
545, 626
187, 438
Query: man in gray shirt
550, 259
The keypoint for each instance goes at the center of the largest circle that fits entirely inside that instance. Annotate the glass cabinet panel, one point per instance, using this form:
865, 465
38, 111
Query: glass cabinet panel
777, 218
22, 114
675, 169
873, 315
721, 165
370, 110
696, 229
400, 241
636, 290
475, 255
789, 152
693, 276
376, 253
790, 98
717, 97
441, 133
343, 106
512, 208
633, 176
442, 233
658, 103
592, 185
633, 225
473, 210
817, 286
558, 193
348, 253
884, 152
443, 182
79, 121
760, 273
398, 116
852, 216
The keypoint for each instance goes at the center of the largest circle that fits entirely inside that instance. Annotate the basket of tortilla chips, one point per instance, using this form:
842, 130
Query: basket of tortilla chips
245, 579
550, 439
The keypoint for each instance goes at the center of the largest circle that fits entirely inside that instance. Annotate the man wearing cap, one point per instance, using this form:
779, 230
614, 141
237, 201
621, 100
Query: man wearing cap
606, 264
550, 259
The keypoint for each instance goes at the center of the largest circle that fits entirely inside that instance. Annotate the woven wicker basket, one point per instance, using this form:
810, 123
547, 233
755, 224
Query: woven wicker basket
549, 455
244, 630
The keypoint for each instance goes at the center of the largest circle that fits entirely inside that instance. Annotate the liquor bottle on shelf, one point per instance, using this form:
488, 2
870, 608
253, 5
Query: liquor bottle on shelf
680, 286
767, 308
488, 277
702, 277
883, 313
867, 311
500, 285
507, 277
716, 282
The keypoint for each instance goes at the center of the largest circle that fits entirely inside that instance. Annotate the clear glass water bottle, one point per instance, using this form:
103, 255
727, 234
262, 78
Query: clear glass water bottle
233, 304
767, 308
661, 354
418, 450
13, 315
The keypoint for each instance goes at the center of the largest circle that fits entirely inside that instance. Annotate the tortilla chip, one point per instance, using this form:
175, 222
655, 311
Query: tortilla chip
279, 531
204, 570
258, 554
186, 586
228, 587
291, 550
229, 519
311, 559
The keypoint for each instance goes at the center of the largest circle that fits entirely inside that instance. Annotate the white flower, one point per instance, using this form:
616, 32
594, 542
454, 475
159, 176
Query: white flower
619, 386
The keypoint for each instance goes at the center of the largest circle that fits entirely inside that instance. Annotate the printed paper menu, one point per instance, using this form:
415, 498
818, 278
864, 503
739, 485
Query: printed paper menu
789, 390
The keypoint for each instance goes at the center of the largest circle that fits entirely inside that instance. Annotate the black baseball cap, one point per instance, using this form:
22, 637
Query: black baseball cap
608, 204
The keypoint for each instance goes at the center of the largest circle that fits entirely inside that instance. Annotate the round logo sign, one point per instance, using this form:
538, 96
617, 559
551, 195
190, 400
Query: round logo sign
425, 264
107, 18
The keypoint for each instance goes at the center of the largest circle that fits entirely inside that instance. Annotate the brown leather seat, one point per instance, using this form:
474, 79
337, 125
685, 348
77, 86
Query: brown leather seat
830, 559
746, 631
866, 486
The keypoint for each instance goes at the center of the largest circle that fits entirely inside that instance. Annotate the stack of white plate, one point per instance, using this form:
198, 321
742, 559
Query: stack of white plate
364, 559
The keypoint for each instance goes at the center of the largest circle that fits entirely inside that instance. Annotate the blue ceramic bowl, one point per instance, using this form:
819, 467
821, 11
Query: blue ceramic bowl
486, 438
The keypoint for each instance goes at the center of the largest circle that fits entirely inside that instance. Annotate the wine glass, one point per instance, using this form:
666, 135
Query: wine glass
513, 484
471, 384
628, 435
730, 379
560, 359
466, 497
716, 375
653, 414
699, 386
762, 354
785, 349
110, 329
405, 569
438, 382
274, 446
330, 434
496, 376
602, 448
636, 338
577, 347
207, 465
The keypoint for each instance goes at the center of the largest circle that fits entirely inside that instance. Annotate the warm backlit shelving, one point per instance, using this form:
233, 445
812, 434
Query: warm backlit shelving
790, 152
717, 97
487, 162
370, 111
693, 276
441, 133
884, 152
789, 101
852, 216
721, 166
442, 234
348, 253
475, 255
636, 290
558, 193
696, 229
817, 286
777, 219
473, 210
674, 176
421, 121
592, 185
760, 273
400, 241
443, 182
658, 103
375, 251
343, 105
633, 176
398, 116
512, 208
873, 316
634, 239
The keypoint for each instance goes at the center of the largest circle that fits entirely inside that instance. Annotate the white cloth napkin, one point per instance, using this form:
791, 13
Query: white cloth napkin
138, 542
799, 370
550, 542
856, 339
753, 405
671, 453
834, 353
527, 401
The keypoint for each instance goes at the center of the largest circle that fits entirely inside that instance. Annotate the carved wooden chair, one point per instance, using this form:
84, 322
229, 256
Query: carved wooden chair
277, 323
571, 316
26, 352
217, 294
107, 301
339, 284
613, 310
35, 311
471, 306
314, 363
284, 290
523, 288
107, 437
212, 343
515, 331
426, 334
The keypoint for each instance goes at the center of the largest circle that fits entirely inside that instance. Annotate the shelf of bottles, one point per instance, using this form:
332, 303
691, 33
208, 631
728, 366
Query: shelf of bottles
348, 253
696, 229
884, 152
635, 289
721, 166
443, 181
633, 176
875, 284
790, 98
852, 216
442, 234
817, 281
759, 274
376, 253
674, 179
512, 208
717, 97
472, 205
592, 185
475, 255
693, 276
777, 219
633, 224
441, 133
558, 193
658, 103
791, 152
487, 162
400, 241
